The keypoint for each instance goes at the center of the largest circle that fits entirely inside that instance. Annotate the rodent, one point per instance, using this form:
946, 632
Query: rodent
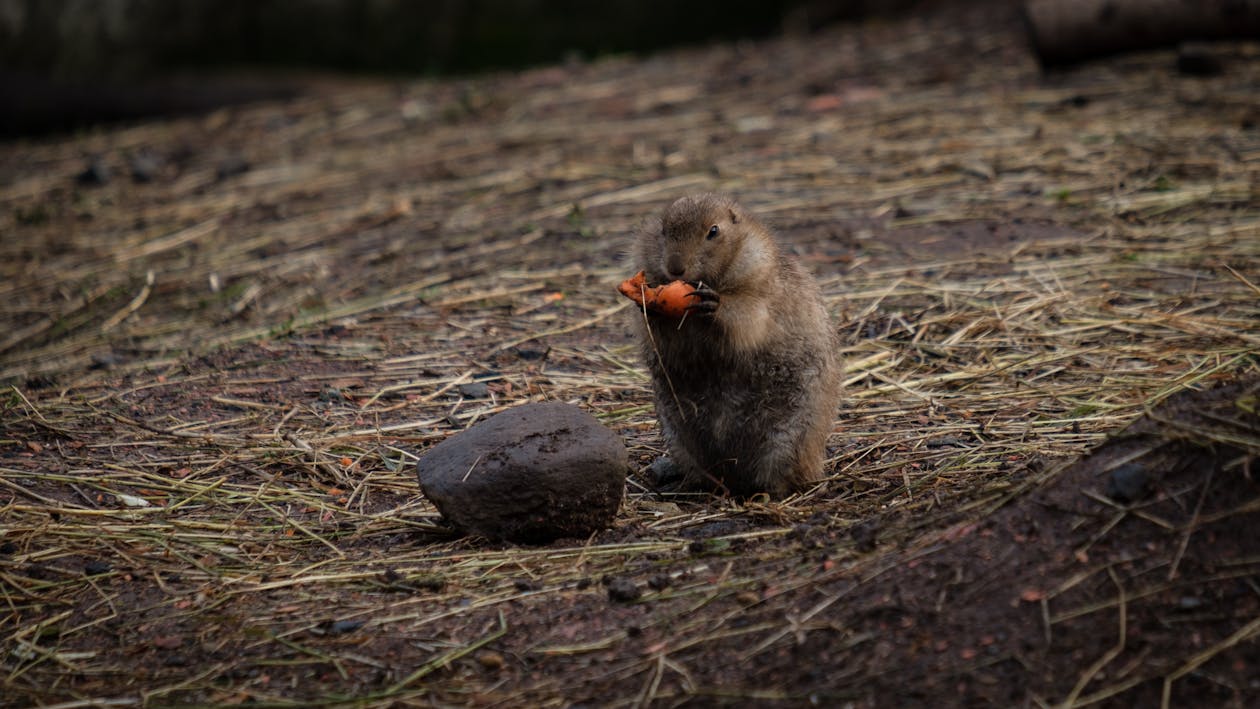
747, 383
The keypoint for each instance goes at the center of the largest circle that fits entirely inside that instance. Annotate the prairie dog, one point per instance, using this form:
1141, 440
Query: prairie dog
747, 383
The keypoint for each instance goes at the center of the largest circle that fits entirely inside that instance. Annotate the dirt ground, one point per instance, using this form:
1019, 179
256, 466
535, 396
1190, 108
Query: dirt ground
230, 336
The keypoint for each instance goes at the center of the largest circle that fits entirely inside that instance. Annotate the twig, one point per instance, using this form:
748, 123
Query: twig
1107, 657
133, 306
449, 657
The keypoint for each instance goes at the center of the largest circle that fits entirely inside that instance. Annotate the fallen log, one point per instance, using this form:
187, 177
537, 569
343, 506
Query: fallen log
1066, 31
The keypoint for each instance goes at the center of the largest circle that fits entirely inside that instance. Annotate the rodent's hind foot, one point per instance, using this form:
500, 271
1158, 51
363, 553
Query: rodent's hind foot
665, 476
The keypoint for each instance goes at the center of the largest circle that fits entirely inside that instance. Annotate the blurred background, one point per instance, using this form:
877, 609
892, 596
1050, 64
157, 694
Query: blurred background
66, 64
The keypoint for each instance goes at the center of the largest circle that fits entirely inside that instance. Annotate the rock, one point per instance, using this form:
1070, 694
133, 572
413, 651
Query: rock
145, 167
168, 642
1128, 483
474, 390
530, 353
96, 173
865, 535
1199, 60
531, 474
231, 166
526, 585
490, 659
623, 590
341, 627
105, 360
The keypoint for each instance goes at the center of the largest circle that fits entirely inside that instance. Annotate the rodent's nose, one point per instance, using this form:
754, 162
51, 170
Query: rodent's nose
674, 266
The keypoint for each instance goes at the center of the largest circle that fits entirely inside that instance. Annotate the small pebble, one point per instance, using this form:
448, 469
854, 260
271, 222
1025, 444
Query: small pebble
490, 659
341, 627
623, 590
1189, 603
40, 381
144, 168
1197, 60
530, 353
1128, 483
659, 582
800, 531
429, 583
474, 390
105, 360
865, 535
95, 174
231, 166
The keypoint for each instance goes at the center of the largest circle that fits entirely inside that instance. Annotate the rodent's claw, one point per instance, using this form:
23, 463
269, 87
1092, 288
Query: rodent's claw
706, 300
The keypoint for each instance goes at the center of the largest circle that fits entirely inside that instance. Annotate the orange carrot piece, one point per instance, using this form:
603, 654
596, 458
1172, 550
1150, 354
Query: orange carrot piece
671, 300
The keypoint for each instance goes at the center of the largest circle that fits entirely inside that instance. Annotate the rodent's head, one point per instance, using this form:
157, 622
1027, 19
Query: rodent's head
707, 238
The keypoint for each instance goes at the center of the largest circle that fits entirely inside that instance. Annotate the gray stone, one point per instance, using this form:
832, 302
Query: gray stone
623, 590
474, 390
531, 474
1128, 483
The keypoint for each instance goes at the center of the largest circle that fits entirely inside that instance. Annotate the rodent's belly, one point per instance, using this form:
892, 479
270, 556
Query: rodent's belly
733, 416
731, 410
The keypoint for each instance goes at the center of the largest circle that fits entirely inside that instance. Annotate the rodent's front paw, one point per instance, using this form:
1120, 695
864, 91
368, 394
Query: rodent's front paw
704, 300
675, 299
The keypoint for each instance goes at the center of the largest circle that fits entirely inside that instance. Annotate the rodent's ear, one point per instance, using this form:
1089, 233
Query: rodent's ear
734, 216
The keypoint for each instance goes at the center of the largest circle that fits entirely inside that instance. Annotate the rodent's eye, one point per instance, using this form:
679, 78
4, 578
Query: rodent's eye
713, 232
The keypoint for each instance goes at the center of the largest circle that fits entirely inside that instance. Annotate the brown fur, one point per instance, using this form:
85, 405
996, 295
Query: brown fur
746, 395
